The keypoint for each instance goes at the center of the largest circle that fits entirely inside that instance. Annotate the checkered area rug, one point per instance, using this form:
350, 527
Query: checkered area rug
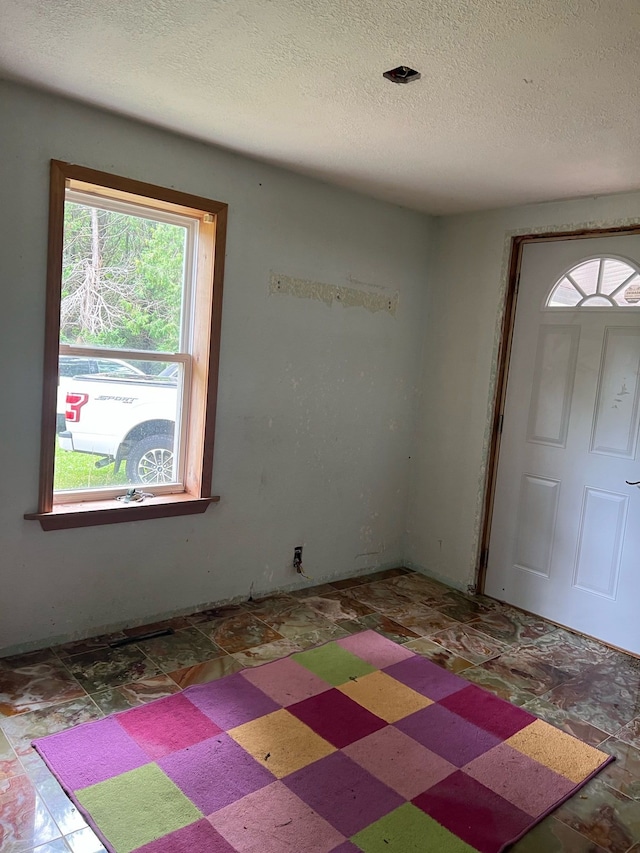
357, 745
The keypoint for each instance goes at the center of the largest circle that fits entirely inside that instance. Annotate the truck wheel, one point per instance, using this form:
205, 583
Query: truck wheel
150, 460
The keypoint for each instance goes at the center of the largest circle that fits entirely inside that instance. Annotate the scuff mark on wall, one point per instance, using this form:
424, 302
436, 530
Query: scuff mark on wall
350, 297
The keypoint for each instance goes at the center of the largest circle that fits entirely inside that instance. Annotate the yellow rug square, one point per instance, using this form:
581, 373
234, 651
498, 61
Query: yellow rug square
384, 696
281, 742
556, 750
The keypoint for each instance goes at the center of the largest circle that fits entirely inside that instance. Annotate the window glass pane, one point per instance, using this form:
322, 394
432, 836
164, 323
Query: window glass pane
122, 280
607, 283
72, 365
118, 427
565, 294
597, 302
586, 275
631, 293
614, 273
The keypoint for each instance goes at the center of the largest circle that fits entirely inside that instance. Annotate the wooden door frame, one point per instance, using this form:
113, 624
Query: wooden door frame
518, 242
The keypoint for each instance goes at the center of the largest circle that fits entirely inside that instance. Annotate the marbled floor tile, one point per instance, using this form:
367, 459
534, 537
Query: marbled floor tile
184, 648
57, 846
111, 701
239, 632
462, 608
381, 596
620, 669
21, 730
27, 659
201, 673
134, 694
490, 603
566, 721
91, 644
86, 841
603, 815
352, 626
35, 686
387, 627
589, 644
297, 620
552, 836
623, 774
221, 612
524, 671
469, 644
270, 606
24, 819
65, 815
498, 684
317, 636
106, 668
419, 588
312, 591
436, 653
560, 649
630, 733
34, 766
347, 583
597, 699
511, 626
268, 652
148, 689
424, 620
9, 763
385, 574
174, 624
338, 605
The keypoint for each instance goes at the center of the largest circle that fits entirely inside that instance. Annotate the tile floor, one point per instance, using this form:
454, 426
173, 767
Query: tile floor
574, 683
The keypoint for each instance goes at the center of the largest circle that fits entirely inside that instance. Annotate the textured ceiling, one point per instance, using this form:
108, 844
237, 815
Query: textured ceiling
520, 100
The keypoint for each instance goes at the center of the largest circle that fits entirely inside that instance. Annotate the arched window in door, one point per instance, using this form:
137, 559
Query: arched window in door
597, 283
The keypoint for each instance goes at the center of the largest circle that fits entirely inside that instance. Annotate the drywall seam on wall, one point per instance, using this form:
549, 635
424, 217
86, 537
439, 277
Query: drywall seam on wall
349, 297
592, 225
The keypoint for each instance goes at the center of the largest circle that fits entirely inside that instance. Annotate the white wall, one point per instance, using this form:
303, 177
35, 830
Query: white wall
316, 403
466, 296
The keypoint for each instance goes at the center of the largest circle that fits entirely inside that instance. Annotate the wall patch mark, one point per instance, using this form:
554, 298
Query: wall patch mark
349, 297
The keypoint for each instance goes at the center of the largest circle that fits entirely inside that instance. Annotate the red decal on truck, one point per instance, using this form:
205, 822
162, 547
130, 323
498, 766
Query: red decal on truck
74, 403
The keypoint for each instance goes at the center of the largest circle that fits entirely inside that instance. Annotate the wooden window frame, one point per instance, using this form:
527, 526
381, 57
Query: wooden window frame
207, 310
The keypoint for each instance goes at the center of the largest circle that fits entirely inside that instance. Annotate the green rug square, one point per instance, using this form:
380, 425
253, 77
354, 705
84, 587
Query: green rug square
409, 830
137, 807
333, 664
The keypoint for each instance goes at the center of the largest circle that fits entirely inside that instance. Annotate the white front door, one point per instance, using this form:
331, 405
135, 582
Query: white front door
565, 535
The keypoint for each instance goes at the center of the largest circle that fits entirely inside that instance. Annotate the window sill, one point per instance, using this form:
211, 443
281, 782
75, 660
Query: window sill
92, 513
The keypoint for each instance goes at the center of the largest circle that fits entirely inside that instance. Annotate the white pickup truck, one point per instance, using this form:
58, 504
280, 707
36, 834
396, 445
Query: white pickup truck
129, 419
73, 365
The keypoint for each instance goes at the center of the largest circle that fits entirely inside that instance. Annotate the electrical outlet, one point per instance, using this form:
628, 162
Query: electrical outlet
297, 559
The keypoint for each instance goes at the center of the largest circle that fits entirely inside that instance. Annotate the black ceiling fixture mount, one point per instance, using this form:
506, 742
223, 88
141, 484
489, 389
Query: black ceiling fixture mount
402, 74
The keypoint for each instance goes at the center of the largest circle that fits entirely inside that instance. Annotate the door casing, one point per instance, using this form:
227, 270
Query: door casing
504, 354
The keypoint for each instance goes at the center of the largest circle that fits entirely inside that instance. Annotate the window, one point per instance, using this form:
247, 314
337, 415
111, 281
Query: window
597, 283
134, 297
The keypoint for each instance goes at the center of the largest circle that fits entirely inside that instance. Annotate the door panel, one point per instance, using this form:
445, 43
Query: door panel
536, 523
565, 536
602, 527
615, 428
553, 384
